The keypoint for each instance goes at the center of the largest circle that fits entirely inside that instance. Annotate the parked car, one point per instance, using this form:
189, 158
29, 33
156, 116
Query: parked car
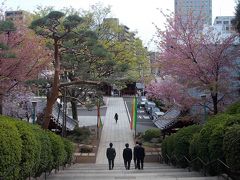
142, 101
155, 112
148, 106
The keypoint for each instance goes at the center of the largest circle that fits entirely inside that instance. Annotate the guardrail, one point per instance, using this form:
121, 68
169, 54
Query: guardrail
204, 165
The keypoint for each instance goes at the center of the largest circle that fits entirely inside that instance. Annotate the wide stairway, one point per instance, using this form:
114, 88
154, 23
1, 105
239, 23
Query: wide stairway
152, 171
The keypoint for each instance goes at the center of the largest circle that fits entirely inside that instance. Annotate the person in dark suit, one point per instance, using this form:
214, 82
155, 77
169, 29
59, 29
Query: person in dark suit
116, 117
111, 154
127, 156
134, 154
140, 154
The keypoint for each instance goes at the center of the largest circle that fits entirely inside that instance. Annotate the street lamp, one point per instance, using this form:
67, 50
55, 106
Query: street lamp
34, 104
204, 98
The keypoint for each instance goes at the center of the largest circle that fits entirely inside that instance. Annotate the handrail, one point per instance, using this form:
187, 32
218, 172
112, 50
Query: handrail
227, 169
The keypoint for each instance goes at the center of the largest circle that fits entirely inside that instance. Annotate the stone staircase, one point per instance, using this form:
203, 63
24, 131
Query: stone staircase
152, 171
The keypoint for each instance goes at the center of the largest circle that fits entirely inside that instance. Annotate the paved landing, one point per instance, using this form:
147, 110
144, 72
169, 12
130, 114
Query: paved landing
118, 134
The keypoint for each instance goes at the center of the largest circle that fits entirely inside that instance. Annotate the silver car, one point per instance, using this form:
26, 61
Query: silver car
155, 112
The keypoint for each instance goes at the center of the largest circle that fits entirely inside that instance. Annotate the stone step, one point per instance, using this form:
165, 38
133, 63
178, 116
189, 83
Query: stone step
121, 175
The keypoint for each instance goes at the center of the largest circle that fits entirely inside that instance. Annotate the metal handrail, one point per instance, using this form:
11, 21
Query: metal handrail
227, 170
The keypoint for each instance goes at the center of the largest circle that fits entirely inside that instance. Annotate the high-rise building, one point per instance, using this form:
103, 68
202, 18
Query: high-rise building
197, 7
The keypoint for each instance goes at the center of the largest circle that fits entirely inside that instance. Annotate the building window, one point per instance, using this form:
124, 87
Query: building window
225, 22
219, 22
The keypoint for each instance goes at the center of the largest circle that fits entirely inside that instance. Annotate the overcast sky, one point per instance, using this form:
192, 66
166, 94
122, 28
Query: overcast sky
138, 15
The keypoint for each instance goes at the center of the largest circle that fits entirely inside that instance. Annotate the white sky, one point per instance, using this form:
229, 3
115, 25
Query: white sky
138, 15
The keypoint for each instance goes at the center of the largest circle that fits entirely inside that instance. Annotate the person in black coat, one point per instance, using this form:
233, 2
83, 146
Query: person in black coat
140, 154
134, 154
127, 156
111, 154
116, 117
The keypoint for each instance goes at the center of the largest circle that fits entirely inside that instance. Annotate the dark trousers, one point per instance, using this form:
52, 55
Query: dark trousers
140, 163
135, 163
127, 164
111, 163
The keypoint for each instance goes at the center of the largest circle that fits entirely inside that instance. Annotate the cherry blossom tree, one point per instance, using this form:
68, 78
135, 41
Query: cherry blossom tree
170, 93
22, 57
196, 57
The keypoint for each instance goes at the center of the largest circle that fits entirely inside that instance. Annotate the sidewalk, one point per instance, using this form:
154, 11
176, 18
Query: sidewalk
118, 134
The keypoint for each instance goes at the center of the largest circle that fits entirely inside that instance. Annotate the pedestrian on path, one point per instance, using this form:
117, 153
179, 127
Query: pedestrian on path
134, 154
140, 154
116, 117
111, 154
127, 156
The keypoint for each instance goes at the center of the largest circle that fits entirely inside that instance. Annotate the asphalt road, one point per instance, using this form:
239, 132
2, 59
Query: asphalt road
143, 121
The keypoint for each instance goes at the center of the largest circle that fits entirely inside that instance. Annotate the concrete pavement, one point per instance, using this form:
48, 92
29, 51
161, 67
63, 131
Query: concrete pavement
118, 134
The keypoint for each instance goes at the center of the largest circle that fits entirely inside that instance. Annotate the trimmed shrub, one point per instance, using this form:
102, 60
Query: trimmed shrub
193, 151
183, 138
10, 149
233, 108
30, 149
79, 135
151, 133
46, 157
231, 147
69, 148
170, 145
58, 150
182, 142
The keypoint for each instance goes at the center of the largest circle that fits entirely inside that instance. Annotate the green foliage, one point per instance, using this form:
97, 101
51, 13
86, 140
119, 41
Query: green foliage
27, 149
10, 148
170, 145
69, 148
46, 157
7, 26
86, 149
183, 138
151, 133
58, 150
30, 156
231, 146
233, 108
79, 134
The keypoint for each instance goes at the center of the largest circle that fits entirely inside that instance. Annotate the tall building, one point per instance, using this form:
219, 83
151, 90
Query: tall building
197, 7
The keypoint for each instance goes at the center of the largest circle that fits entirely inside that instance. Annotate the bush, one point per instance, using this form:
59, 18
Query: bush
231, 147
30, 157
10, 148
58, 150
182, 142
69, 148
86, 149
151, 133
193, 150
79, 135
233, 109
46, 157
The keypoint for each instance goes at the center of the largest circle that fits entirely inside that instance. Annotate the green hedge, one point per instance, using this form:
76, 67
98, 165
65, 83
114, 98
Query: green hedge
233, 109
218, 139
10, 149
69, 148
46, 156
151, 133
58, 150
29, 149
182, 142
231, 146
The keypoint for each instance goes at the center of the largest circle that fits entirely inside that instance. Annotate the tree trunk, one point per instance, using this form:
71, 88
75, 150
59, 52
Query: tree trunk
74, 110
215, 102
53, 95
